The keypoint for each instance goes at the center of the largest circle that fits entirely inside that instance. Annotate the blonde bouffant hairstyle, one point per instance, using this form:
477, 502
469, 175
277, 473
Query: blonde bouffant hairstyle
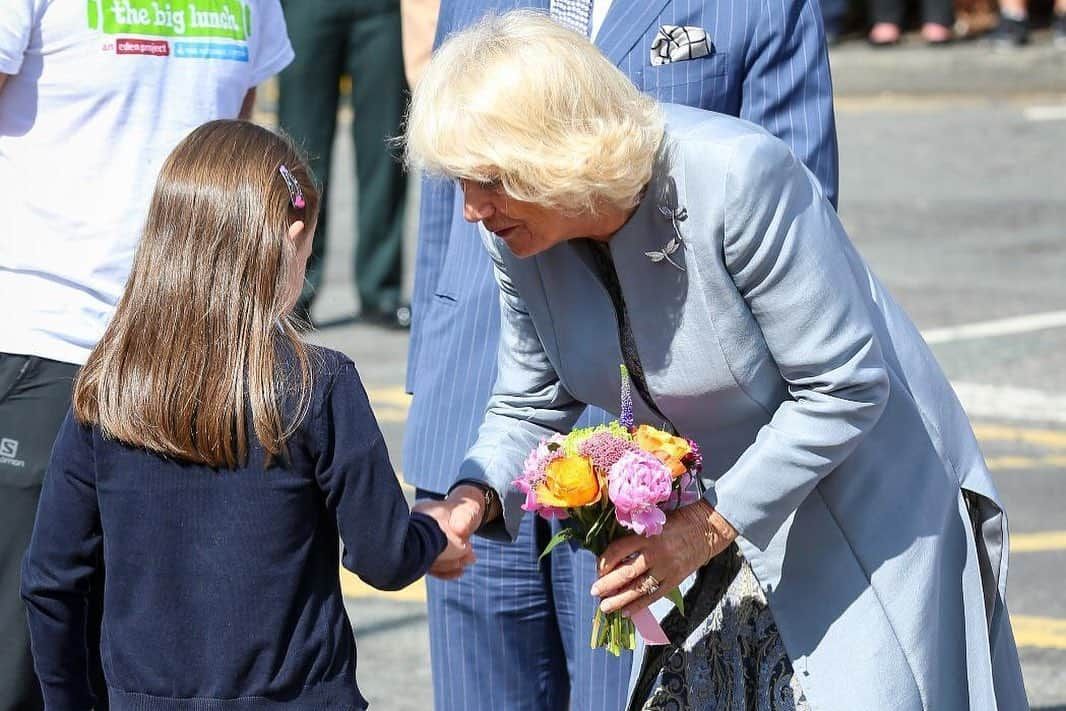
519, 99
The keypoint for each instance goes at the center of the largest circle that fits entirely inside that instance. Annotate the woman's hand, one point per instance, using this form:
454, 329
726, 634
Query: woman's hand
691, 536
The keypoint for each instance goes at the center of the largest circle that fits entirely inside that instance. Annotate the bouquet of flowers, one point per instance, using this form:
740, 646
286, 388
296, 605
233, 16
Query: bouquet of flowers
607, 482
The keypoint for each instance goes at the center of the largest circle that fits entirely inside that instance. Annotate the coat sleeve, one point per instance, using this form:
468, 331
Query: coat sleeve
788, 257
385, 544
528, 403
787, 88
64, 553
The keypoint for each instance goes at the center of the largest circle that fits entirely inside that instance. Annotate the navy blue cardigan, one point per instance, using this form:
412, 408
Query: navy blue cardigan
222, 588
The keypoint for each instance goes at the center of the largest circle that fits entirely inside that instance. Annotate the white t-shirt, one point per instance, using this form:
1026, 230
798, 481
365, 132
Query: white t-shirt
100, 92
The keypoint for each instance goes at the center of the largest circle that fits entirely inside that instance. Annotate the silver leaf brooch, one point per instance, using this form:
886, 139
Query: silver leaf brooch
669, 210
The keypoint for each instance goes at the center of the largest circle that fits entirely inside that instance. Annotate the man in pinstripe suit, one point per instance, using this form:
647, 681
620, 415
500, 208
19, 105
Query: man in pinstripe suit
511, 634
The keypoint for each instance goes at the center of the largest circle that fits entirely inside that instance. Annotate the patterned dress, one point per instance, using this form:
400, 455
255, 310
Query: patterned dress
732, 658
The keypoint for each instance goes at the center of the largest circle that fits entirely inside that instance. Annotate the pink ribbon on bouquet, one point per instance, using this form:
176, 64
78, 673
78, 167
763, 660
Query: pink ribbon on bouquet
649, 628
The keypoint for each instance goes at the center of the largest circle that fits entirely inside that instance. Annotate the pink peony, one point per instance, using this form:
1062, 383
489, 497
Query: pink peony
636, 484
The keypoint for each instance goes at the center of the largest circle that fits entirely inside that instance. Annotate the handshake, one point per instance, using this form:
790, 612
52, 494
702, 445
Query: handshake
459, 515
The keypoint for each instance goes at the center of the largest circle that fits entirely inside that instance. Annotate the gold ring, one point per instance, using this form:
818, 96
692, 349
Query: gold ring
649, 585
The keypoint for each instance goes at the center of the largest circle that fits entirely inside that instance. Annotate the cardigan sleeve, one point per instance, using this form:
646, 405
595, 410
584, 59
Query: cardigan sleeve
788, 257
385, 544
63, 554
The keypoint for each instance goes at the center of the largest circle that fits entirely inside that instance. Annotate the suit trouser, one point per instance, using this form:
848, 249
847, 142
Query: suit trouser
512, 634
360, 38
34, 399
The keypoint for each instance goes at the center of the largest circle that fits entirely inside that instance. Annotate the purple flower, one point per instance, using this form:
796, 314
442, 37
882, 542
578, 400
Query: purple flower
694, 460
636, 484
626, 416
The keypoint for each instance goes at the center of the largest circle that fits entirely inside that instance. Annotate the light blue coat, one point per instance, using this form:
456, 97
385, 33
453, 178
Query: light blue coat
832, 440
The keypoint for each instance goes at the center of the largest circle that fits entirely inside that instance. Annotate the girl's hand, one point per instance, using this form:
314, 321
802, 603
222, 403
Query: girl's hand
691, 536
453, 560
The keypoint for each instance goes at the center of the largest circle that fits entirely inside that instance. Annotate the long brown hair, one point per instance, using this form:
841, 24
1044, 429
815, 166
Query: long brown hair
203, 330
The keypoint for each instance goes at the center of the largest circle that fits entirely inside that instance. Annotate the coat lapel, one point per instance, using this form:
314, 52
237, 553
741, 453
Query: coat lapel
655, 292
625, 24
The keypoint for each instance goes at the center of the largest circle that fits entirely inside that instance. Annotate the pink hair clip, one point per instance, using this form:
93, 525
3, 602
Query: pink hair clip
296, 193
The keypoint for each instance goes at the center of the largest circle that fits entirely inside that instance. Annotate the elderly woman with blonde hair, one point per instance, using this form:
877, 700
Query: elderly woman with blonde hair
850, 551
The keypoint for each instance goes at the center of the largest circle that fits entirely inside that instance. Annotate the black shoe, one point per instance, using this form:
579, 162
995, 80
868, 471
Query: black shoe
398, 319
1010, 33
1058, 30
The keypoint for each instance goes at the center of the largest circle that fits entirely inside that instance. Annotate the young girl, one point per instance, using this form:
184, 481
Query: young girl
212, 459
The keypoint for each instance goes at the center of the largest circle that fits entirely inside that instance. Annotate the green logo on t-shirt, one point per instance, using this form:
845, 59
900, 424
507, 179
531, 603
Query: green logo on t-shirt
223, 19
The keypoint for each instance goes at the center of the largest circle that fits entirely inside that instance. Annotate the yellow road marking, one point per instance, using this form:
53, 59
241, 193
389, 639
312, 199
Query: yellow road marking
997, 433
351, 586
1044, 632
1004, 463
390, 404
1038, 542
390, 395
391, 415
910, 103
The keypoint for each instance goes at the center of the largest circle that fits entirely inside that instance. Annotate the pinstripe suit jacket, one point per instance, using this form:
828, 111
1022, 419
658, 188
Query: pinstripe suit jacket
770, 66
832, 440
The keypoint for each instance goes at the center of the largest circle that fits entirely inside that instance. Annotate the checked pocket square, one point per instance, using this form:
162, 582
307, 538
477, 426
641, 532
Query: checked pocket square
675, 43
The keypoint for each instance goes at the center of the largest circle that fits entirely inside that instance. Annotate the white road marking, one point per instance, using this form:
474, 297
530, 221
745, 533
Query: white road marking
997, 327
1045, 113
1007, 402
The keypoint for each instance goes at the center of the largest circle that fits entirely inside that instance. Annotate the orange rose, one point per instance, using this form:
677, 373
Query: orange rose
668, 449
570, 482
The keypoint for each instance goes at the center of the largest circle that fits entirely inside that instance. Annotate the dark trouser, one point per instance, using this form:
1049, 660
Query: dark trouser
360, 38
942, 12
833, 12
34, 399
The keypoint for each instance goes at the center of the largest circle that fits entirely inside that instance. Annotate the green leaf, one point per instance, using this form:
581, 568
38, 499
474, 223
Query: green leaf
564, 535
678, 599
